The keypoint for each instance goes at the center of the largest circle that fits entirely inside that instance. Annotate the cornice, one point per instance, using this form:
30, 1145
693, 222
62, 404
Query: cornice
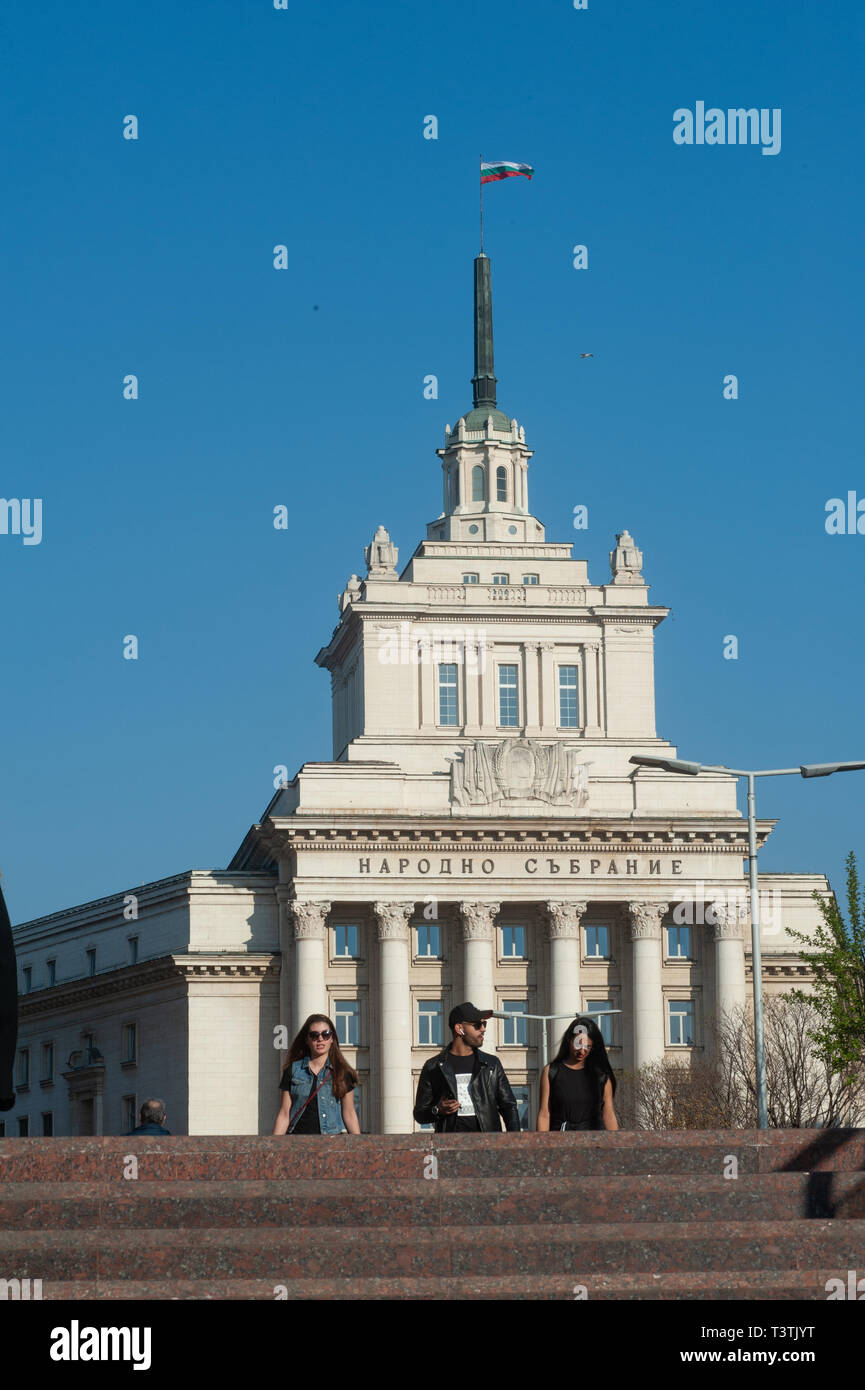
146, 975
610, 838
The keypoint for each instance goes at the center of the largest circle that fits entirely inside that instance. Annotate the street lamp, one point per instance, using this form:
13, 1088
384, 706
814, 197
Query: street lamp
544, 1019
690, 769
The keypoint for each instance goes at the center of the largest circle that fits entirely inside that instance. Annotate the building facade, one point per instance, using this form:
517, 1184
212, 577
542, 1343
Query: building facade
479, 834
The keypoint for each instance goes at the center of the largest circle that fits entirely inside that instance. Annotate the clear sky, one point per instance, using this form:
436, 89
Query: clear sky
305, 387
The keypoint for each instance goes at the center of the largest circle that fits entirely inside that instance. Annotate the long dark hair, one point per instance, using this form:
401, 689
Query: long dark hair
597, 1062
342, 1073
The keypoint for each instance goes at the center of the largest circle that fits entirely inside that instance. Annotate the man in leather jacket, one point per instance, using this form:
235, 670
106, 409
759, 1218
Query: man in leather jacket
463, 1088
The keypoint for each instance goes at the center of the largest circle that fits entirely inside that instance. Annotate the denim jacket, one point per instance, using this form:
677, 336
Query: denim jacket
303, 1081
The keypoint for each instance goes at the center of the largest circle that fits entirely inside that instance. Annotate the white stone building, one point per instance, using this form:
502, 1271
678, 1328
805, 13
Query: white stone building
480, 834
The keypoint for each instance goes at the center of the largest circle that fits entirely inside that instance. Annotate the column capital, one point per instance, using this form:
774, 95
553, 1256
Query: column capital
392, 920
309, 918
645, 920
477, 919
727, 919
564, 919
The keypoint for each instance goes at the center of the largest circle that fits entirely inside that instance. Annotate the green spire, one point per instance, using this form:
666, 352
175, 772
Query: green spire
483, 381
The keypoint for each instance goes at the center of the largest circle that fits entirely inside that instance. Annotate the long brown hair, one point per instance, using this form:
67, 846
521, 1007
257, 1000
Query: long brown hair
342, 1073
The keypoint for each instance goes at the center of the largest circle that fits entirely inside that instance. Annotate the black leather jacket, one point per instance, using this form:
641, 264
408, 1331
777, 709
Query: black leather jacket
489, 1090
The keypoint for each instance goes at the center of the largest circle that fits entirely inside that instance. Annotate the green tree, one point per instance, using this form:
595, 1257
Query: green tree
836, 955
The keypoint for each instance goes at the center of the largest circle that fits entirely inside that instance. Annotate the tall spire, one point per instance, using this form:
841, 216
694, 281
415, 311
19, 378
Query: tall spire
483, 381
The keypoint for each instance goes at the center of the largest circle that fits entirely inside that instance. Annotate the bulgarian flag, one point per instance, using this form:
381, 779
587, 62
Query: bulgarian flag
490, 173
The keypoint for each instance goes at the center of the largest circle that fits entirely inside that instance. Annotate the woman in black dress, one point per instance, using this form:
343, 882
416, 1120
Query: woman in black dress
578, 1086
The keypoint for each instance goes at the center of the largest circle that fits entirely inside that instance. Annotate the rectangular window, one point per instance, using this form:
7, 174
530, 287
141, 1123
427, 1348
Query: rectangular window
521, 1096
428, 943
681, 1015
52, 971
514, 1030
531, 579
91, 961
448, 713
471, 578
128, 1115
47, 1062
346, 1016
605, 1023
130, 1042
508, 702
22, 1075
569, 702
514, 943
133, 950
23, 1126
47, 1123
598, 942
346, 939
28, 978
429, 1022
501, 579
678, 943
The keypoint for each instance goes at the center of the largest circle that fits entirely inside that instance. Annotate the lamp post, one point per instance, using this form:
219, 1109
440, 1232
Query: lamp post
544, 1019
690, 769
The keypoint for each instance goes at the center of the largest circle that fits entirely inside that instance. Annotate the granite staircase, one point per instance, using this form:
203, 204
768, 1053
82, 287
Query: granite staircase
674, 1215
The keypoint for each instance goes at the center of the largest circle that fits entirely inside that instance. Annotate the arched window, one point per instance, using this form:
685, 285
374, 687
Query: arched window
501, 484
477, 483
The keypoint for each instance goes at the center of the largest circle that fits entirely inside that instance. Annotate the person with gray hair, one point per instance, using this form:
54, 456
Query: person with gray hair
152, 1118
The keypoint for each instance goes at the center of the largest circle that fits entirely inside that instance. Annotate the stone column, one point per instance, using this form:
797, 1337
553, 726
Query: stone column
395, 1022
310, 989
593, 710
479, 940
563, 929
286, 1011
649, 1036
726, 920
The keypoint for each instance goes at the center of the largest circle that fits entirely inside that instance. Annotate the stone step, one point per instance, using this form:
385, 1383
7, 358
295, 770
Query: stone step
459, 1202
583, 1252
712, 1286
213, 1157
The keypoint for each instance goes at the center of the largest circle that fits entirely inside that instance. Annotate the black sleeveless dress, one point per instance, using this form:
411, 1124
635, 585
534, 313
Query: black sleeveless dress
573, 1099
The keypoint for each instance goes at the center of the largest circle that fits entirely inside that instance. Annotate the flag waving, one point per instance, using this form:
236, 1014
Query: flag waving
503, 170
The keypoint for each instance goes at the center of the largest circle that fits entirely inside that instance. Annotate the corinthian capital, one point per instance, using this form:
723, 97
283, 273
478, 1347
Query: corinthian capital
309, 918
645, 920
564, 920
478, 920
727, 917
392, 920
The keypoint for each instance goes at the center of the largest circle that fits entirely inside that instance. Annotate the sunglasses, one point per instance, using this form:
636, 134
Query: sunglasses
482, 1024
324, 1034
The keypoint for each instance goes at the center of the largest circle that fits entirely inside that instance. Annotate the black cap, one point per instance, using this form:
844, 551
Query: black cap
467, 1013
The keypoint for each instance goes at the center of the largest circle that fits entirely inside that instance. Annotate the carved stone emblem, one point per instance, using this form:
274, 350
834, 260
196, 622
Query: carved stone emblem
519, 769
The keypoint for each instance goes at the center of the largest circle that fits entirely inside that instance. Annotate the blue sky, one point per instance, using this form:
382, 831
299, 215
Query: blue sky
304, 387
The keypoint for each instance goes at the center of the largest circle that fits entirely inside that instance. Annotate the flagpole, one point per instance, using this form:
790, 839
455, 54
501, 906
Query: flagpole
481, 187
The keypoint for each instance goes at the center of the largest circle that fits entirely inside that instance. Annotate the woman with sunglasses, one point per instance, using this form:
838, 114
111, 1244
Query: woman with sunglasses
317, 1084
578, 1086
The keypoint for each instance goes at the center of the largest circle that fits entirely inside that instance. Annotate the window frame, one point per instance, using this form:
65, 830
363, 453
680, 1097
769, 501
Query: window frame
502, 666
438, 1014
341, 957
677, 999
530, 579
560, 690
425, 957
520, 1025
508, 957
334, 1013
441, 687
597, 926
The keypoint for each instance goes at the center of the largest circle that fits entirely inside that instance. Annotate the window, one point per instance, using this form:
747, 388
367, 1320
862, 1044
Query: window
133, 950
428, 942
514, 1030
514, 942
22, 1075
345, 941
47, 1123
52, 971
681, 1015
521, 1096
501, 485
455, 485
501, 579
478, 489
678, 943
598, 942
130, 1042
531, 579
346, 1016
91, 961
47, 1069
508, 702
28, 978
569, 703
2, 1129
606, 1023
448, 713
23, 1126
429, 1022
471, 579
128, 1113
